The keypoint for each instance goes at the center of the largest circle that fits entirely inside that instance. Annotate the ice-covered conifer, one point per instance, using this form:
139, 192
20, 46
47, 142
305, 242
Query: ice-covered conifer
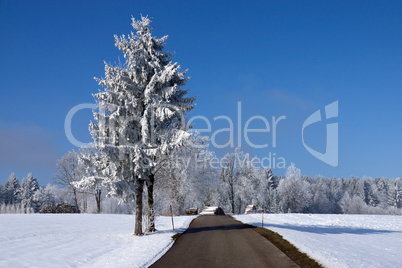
11, 189
141, 113
26, 193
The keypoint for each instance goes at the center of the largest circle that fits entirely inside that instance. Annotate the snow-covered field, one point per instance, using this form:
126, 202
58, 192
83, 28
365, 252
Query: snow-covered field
82, 240
339, 240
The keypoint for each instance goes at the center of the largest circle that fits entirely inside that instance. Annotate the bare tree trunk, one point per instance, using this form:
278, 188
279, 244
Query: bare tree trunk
151, 211
138, 208
85, 202
98, 194
232, 197
75, 198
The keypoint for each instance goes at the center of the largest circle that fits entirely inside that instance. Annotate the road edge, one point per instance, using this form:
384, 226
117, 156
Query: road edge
166, 249
300, 258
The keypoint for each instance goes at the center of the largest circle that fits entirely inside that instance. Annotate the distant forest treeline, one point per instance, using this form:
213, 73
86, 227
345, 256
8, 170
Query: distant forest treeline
231, 187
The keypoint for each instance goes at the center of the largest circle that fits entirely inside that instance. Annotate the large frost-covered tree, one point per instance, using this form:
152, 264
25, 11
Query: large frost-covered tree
141, 115
68, 173
241, 182
91, 163
251, 183
229, 177
186, 179
294, 191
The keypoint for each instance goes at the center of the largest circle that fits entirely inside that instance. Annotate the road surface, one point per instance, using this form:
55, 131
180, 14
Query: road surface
221, 241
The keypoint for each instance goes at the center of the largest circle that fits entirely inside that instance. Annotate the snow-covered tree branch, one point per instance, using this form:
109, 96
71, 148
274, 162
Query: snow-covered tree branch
140, 116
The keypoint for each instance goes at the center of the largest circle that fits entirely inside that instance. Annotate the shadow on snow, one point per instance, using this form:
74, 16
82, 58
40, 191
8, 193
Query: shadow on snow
326, 229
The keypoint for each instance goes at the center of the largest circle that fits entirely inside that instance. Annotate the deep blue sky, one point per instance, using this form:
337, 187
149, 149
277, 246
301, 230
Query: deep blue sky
278, 58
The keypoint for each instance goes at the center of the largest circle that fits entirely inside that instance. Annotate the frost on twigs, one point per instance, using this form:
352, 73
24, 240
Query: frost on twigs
141, 112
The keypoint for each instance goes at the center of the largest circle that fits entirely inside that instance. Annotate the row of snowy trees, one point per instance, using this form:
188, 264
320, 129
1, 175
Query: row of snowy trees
19, 198
24, 197
188, 179
194, 182
300, 194
28, 196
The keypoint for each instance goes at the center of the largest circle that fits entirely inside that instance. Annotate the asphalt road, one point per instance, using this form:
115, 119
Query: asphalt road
221, 241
